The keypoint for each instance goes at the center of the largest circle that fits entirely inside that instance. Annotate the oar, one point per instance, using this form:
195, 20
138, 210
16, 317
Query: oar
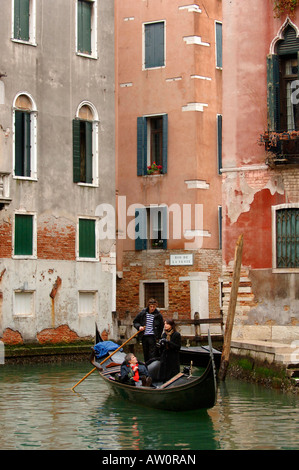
135, 334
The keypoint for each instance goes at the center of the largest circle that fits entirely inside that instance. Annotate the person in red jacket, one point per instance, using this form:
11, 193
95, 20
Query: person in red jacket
134, 372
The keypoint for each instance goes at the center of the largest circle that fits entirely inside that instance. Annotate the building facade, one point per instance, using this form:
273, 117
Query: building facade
261, 166
57, 152
168, 128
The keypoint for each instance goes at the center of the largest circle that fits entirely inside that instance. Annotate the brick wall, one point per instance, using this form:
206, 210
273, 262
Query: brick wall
5, 238
55, 240
150, 266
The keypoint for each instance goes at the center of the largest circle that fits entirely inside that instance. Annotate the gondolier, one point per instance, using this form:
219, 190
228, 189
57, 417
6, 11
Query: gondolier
150, 323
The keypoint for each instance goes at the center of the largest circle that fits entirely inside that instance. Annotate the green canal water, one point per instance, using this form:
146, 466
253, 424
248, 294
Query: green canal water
39, 411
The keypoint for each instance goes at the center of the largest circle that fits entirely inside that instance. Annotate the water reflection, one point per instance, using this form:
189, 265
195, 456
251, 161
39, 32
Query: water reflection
38, 410
138, 427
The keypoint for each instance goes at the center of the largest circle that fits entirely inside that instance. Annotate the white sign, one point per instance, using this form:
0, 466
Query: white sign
183, 260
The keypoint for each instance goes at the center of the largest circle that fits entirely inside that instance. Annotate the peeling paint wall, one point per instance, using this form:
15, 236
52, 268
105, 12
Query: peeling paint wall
63, 291
268, 308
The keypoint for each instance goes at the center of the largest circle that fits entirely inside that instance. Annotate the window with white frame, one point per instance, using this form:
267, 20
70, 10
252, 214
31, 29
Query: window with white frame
24, 245
285, 232
23, 21
85, 145
154, 45
87, 246
87, 28
25, 137
157, 289
218, 34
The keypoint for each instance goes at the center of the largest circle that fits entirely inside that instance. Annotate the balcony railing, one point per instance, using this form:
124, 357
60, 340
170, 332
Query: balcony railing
4, 188
282, 147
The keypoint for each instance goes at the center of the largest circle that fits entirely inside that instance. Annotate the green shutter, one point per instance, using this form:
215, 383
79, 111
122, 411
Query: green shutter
154, 45
84, 26
165, 143
218, 44
141, 146
76, 151
21, 20
23, 244
87, 238
22, 144
273, 95
287, 238
88, 151
140, 229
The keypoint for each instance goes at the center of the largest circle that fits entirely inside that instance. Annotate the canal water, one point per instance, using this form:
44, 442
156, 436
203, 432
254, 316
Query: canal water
39, 411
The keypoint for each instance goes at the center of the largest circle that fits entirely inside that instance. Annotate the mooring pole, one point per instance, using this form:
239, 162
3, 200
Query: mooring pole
231, 310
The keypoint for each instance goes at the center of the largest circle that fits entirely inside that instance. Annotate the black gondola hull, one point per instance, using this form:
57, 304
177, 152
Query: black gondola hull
199, 356
194, 393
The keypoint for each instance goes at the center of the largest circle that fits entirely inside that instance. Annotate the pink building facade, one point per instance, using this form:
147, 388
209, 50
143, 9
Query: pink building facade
169, 112
261, 167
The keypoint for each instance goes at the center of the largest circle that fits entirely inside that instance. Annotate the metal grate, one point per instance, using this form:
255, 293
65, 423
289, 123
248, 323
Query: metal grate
287, 238
154, 290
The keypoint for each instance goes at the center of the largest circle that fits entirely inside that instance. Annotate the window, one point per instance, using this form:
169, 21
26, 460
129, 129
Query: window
152, 142
286, 237
282, 71
281, 140
157, 289
87, 239
23, 21
24, 137
86, 27
218, 32
24, 235
85, 145
219, 142
154, 45
220, 226
151, 228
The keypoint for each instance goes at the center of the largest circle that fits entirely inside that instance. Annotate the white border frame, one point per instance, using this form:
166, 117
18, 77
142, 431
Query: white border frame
78, 258
142, 282
32, 24
95, 143
94, 29
34, 235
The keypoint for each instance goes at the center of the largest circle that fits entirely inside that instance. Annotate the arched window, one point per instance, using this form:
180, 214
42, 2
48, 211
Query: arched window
283, 80
24, 116
85, 145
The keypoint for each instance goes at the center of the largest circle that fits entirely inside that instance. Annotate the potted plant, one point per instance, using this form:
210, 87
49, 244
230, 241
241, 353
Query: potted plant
285, 6
154, 169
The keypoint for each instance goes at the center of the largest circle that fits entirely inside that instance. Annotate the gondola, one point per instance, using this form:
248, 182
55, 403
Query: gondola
199, 355
183, 392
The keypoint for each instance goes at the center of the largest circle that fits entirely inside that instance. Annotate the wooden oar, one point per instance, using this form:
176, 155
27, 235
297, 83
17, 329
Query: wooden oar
135, 334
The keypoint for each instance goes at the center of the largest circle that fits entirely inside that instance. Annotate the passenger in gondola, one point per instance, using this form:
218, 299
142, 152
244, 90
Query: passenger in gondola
170, 345
134, 372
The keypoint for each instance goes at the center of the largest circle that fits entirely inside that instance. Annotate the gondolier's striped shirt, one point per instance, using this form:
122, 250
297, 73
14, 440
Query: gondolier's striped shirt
149, 330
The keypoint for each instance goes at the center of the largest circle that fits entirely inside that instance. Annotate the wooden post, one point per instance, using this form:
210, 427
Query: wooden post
231, 310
